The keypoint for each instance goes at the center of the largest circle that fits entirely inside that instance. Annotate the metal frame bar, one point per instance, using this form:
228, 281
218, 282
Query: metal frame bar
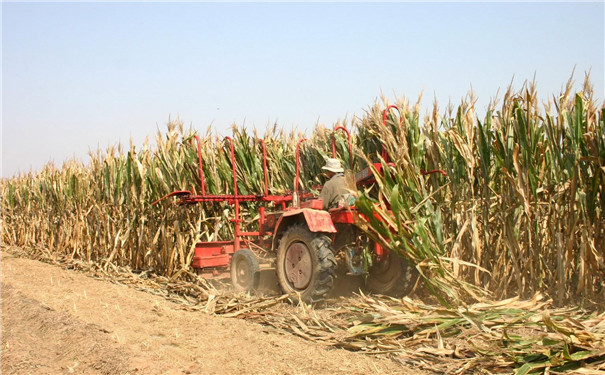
297, 178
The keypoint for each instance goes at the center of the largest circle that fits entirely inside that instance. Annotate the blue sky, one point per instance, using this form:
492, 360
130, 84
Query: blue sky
77, 76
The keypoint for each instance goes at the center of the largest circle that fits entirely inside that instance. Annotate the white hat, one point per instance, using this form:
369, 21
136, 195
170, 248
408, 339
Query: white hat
333, 165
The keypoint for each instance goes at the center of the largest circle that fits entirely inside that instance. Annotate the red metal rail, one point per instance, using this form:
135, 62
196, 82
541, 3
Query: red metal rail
424, 173
230, 199
236, 220
297, 178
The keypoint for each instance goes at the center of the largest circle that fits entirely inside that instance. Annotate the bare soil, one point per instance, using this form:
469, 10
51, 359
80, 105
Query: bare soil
58, 321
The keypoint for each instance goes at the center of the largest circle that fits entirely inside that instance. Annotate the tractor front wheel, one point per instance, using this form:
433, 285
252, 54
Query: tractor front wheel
305, 263
245, 273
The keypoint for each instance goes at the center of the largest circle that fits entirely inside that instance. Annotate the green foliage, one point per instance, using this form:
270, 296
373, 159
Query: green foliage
521, 209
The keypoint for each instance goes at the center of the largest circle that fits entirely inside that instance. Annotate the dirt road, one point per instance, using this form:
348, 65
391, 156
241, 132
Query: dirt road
57, 321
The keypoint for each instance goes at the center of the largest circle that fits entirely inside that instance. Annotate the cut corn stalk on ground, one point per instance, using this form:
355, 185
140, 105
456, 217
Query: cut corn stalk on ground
512, 335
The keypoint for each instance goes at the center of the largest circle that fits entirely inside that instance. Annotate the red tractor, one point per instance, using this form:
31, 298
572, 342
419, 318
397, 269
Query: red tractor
298, 239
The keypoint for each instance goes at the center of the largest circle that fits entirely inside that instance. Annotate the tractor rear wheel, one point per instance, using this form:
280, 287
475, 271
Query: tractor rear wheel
392, 275
305, 263
245, 273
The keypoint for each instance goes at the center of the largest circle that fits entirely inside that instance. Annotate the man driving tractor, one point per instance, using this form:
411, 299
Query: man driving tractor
334, 192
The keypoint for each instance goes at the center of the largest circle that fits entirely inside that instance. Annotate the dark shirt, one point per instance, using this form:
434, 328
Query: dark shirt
334, 191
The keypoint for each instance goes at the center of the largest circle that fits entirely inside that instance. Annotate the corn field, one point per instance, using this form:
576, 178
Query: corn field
522, 206
520, 210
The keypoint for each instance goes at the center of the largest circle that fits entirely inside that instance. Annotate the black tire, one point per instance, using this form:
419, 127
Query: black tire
305, 264
392, 275
245, 273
